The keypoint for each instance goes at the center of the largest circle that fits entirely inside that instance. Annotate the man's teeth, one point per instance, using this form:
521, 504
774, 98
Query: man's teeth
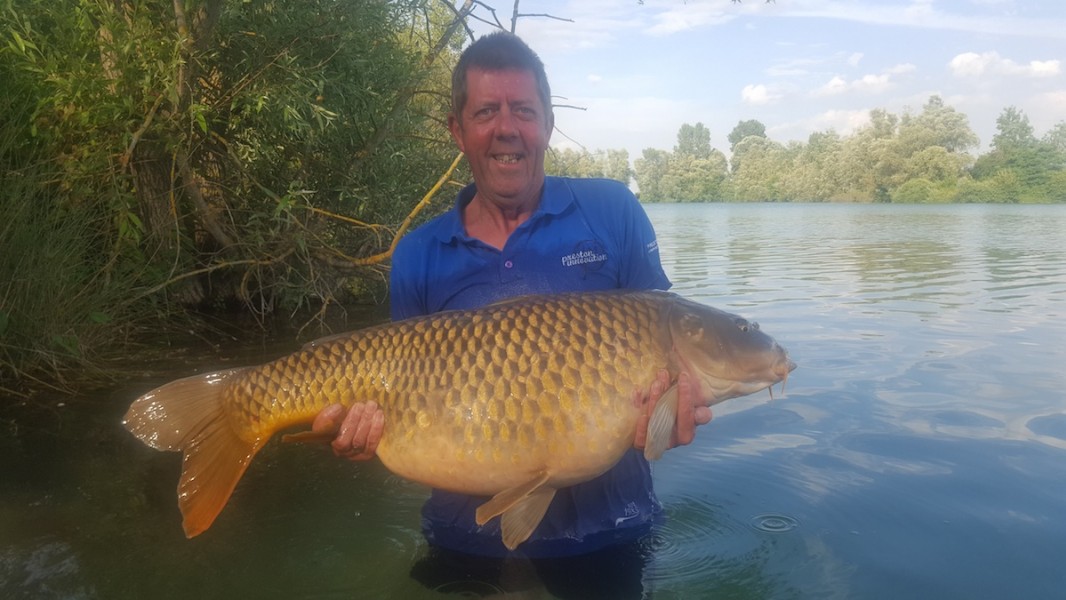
507, 158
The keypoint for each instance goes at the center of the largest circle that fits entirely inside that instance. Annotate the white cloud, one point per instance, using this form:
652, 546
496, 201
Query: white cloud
1047, 109
972, 64
844, 122
1045, 68
923, 14
854, 59
793, 67
901, 69
919, 10
758, 94
867, 84
683, 17
835, 86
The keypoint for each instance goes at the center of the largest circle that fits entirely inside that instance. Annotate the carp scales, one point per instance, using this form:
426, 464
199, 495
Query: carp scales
510, 401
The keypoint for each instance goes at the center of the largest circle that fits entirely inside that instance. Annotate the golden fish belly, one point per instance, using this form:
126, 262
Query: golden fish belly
476, 402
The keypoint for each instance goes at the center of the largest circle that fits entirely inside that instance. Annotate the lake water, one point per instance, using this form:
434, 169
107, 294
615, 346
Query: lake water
920, 451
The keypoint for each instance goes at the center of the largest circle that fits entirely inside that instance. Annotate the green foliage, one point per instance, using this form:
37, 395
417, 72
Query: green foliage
612, 164
1013, 131
1055, 140
694, 172
649, 171
971, 191
922, 191
922, 157
743, 130
693, 141
60, 298
202, 151
758, 175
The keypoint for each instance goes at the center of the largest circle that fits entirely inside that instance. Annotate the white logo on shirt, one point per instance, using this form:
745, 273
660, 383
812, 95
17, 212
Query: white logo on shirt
583, 257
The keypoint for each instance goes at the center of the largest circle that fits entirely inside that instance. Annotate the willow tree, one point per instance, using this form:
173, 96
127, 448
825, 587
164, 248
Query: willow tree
267, 150
206, 151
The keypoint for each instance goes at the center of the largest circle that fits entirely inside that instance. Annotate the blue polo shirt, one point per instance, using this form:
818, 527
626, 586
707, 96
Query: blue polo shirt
586, 234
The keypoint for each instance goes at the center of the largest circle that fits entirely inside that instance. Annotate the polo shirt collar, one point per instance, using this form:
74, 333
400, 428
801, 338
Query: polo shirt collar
555, 198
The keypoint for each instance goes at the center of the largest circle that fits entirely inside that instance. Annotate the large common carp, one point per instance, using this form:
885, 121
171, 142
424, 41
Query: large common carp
513, 400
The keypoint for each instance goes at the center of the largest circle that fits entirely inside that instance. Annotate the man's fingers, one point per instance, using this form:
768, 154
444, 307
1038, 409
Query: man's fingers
647, 406
703, 415
377, 426
686, 419
363, 425
344, 443
329, 419
642, 431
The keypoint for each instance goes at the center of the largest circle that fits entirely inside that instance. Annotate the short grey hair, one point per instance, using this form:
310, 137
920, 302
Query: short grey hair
498, 51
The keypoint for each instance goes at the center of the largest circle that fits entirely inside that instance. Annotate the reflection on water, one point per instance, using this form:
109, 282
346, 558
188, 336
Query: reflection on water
920, 451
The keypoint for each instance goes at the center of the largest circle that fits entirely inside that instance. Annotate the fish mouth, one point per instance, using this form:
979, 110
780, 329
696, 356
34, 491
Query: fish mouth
722, 388
781, 369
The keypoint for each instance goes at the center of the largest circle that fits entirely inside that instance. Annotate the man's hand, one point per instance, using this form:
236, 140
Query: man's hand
358, 429
690, 409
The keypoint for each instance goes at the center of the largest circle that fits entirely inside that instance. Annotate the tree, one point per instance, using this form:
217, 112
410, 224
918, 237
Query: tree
694, 141
616, 166
222, 139
1013, 131
1055, 138
571, 163
937, 125
815, 173
1019, 164
1055, 143
743, 130
612, 164
649, 171
760, 168
692, 179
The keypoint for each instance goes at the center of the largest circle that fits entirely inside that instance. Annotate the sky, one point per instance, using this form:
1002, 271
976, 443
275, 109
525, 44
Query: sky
639, 71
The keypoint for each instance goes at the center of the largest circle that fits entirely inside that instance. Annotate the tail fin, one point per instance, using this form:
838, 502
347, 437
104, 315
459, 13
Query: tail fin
188, 415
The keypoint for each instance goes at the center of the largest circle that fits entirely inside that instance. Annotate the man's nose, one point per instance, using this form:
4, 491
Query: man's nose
505, 124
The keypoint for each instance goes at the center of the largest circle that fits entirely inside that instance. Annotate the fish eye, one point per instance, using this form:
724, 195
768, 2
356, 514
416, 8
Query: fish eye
742, 325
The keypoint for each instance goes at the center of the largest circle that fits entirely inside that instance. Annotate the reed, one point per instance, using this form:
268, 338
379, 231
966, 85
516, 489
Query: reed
57, 297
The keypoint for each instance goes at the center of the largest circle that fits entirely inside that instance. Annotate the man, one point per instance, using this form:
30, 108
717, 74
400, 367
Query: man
513, 232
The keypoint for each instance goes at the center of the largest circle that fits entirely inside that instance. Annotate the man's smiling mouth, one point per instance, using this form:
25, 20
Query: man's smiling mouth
507, 159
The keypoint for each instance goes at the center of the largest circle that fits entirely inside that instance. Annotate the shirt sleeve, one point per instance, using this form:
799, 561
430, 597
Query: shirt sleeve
407, 286
641, 267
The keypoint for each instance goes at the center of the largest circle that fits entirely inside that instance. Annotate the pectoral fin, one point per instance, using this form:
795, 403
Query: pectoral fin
661, 425
522, 507
518, 524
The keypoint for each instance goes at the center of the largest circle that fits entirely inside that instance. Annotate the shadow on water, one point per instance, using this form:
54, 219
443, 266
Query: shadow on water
920, 450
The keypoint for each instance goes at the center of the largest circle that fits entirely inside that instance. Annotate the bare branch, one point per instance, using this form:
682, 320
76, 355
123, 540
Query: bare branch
544, 15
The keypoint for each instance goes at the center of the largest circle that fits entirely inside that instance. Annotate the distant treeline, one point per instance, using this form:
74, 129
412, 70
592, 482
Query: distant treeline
912, 158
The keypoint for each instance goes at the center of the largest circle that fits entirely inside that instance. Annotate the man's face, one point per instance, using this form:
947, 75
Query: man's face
504, 130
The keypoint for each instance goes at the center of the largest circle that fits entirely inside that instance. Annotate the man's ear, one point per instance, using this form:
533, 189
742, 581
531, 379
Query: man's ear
456, 128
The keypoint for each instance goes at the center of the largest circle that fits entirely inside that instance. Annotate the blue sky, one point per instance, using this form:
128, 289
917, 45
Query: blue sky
798, 66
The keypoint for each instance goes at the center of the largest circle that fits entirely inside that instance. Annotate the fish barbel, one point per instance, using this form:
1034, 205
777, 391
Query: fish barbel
513, 400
